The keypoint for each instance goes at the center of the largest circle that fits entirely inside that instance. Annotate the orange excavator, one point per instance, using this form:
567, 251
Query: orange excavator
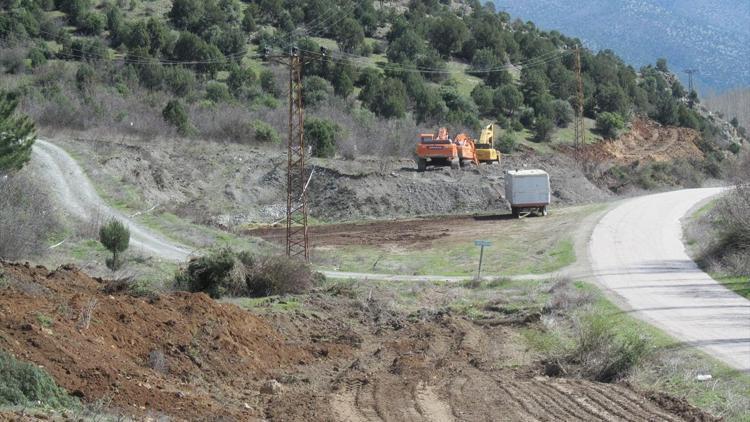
440, 150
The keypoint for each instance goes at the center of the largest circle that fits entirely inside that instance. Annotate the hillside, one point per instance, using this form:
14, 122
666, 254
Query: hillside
202, 71
711, 36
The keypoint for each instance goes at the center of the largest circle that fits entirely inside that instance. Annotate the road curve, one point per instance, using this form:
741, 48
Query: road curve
79, 200
636, 253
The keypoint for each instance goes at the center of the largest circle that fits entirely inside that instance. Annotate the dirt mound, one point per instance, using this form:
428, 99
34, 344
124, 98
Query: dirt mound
181, 354
647, 141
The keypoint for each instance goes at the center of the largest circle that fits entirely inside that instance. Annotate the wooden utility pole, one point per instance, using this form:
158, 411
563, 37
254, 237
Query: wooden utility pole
296, 192
580, 127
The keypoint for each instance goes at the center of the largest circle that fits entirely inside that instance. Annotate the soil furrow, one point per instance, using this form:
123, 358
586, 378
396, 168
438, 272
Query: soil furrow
564, 402
608, 404
644, 404
520, 403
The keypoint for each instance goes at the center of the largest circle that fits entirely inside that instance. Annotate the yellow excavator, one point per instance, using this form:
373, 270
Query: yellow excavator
486, 153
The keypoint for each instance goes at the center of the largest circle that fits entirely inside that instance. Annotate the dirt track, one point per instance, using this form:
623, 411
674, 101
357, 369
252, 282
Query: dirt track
80, 201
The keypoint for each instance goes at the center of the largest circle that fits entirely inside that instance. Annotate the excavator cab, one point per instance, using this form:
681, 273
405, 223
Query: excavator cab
436, 149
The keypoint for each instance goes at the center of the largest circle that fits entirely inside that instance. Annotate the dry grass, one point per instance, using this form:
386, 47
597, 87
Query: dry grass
27, 218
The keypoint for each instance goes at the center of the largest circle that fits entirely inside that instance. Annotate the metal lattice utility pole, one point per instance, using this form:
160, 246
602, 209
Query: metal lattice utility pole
690, 73
296, 199
580, 128
691, 87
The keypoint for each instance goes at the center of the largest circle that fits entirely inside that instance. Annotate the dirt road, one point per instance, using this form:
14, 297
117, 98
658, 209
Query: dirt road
636, 252
80, 201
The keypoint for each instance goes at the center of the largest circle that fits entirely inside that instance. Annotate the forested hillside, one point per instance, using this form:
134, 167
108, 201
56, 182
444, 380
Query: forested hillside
711, 36
198, 68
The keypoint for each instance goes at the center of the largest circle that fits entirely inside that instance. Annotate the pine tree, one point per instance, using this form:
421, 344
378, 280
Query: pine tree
116, 238
17, 135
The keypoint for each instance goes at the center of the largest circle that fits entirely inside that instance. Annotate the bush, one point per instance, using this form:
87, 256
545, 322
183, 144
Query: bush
179, 80
507, 143
315, 90
174, 113
268, 83
280, 275
608, 124
37, 57
84, 77
603, 352
265, 132
27, 218
225, 272
25, 384
115, 236
211, 274
217, 92
320, 134
91, 23
543, 128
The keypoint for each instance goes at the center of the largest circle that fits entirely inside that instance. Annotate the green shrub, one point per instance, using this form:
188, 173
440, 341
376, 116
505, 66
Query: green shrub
543, 128
25, 384
609, 124
321, 135
37, 57
211, 274
507, 143
84, 77
179, 80
217, 92
602, 350
265, 133
115, 236
225, 272
268, 83
91, 23
734, 148
315, 90
174, 113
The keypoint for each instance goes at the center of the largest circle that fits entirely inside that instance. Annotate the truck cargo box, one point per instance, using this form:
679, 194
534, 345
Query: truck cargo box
527, 190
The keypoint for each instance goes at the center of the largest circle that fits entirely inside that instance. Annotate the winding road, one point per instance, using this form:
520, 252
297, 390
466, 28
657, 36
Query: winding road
635, 253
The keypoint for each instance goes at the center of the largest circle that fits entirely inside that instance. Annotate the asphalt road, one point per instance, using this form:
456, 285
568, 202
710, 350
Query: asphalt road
79, 200
637, 254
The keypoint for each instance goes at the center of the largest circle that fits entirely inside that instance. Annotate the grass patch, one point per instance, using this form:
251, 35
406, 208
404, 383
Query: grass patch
737, 284
525, 246
272, 304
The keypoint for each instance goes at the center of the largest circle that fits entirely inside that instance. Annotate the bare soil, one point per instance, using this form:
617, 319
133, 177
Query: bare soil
230, 185
647, 141
339, 357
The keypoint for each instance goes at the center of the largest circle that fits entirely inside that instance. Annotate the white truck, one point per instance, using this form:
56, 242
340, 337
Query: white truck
527, 191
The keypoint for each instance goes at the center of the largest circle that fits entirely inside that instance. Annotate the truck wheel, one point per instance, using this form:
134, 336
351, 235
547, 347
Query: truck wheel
515, 212
422, 164
455, 164
543, 211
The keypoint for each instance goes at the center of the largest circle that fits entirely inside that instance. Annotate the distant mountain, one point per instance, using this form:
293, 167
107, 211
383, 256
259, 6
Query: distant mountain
712, 36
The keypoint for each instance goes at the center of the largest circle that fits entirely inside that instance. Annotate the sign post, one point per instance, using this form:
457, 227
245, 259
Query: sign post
481, 244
